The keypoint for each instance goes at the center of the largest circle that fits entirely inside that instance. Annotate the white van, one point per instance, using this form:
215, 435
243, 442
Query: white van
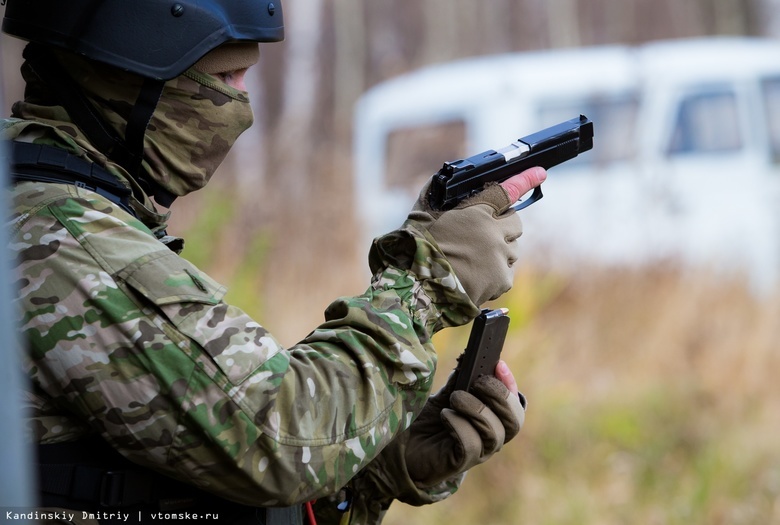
685, 157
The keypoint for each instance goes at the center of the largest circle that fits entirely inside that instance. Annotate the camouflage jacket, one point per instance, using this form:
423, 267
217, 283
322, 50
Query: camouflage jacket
130, 341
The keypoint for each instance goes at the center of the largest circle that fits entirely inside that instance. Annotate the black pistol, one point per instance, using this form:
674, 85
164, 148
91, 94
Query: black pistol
483, 350
463, 178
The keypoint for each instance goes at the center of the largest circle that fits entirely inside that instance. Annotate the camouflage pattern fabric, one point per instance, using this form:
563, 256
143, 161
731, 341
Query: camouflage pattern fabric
128, 340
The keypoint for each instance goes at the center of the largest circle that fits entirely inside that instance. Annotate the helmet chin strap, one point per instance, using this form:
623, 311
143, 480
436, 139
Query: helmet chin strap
127, 152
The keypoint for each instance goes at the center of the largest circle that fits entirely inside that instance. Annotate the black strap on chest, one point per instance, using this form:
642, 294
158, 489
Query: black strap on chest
92, 477
40, 163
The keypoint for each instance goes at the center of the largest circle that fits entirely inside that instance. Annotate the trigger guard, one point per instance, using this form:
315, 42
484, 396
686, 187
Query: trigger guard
535, 196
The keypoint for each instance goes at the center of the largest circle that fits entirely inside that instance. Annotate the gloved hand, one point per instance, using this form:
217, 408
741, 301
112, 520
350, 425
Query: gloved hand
479, 239
425, 464
461, 257
457, 430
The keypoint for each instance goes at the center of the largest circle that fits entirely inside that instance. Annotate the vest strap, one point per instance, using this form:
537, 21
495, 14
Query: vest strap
41, 163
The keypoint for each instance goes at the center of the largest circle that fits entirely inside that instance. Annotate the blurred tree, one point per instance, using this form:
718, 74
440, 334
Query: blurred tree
730, 17
768, 17
349, 22
563, 23
301, 80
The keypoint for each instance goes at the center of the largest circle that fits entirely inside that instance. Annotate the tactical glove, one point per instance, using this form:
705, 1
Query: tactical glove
478, 238
457, 430
425, 464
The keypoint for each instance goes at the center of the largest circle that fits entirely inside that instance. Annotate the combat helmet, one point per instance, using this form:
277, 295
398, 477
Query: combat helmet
154, 38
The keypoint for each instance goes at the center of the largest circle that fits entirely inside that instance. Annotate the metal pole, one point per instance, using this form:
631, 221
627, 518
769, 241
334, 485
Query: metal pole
16, 473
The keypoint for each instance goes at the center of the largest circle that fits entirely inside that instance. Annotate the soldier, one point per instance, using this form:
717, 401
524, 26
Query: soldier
149, 395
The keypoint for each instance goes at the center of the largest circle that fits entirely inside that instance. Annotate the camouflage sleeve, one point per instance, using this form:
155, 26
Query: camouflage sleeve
133, 342
384, 480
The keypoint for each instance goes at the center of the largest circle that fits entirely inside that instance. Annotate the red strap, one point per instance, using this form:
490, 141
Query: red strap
310, 512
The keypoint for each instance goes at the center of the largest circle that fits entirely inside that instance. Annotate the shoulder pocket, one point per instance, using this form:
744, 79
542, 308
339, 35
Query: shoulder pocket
191, 306
166, 278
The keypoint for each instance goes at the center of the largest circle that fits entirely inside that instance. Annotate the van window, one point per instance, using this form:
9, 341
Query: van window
707, 122
771, 91
614, 121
